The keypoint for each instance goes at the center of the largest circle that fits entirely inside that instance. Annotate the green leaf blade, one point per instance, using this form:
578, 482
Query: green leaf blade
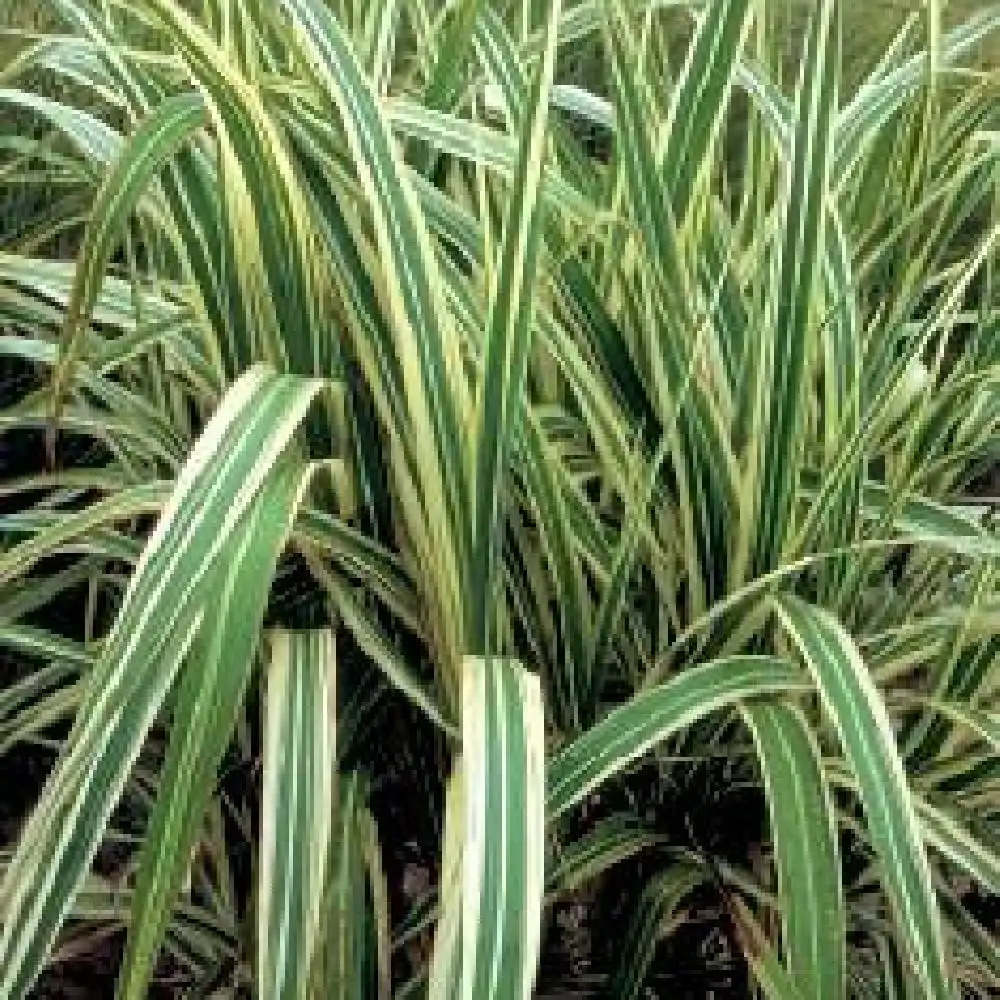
856, 708
630, 730
298, 807
159, 618
804, 831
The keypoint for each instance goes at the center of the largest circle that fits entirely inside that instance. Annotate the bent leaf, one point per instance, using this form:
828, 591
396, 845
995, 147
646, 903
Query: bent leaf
160, 616
858, 712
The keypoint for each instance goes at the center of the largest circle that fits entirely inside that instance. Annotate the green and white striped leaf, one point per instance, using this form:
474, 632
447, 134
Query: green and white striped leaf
782, 375
612, 840
858, 712
700, 98
159, 619
978, 856
804, 834
626, 733
297, 809
205, 713
434, 383
506, 348
489, 931
54, 533
142, 156
353, 959
98, 142
651, 921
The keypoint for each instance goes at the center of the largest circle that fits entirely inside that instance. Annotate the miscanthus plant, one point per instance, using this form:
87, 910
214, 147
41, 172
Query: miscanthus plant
612, 426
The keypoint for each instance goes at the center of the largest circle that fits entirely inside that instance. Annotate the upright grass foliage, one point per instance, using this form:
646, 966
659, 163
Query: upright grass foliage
596, 421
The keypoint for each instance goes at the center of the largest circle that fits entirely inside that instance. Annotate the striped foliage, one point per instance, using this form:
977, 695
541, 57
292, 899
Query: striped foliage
486, 446
489, 932
209, 520
865, 732
299, 789
804, 831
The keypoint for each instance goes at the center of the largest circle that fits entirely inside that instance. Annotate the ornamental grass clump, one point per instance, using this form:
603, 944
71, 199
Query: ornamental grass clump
601, 414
